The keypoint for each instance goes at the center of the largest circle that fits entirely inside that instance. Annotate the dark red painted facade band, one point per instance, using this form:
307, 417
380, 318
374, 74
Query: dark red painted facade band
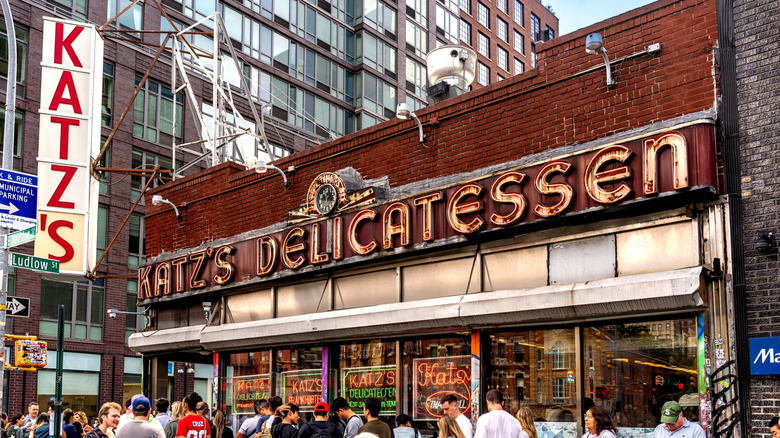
668, 162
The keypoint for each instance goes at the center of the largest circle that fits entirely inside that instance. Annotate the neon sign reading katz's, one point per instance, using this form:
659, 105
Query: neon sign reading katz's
672, 161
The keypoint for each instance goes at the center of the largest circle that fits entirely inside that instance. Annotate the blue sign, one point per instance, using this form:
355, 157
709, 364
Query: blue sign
18, 200
764, 356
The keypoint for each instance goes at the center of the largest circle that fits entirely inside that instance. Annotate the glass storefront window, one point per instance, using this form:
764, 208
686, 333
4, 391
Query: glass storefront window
368, 369
432, 368
247, 380
537, 369
298, 375
631, 370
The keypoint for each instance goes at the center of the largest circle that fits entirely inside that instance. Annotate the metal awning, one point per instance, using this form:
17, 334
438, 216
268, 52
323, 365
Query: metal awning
662, 292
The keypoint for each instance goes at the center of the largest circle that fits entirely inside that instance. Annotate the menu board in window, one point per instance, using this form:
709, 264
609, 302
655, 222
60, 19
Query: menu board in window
302, 388
247, 389
436, 376
358, 384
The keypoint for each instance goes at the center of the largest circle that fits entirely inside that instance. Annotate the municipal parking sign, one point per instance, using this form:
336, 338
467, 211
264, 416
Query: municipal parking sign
18, 200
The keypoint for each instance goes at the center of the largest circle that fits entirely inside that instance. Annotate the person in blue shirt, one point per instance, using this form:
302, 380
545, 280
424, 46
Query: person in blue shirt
67, 424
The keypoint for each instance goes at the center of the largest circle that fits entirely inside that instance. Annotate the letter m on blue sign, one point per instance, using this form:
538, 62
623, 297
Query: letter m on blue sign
764, 356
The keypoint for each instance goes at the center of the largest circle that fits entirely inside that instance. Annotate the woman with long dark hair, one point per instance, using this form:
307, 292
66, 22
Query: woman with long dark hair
599, 424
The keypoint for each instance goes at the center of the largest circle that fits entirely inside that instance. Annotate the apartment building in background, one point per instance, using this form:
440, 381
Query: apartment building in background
326, 68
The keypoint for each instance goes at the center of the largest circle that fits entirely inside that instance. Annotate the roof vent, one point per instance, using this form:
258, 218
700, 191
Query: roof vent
450, 71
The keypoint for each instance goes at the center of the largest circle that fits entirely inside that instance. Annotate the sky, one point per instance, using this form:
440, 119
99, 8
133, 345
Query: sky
576, 14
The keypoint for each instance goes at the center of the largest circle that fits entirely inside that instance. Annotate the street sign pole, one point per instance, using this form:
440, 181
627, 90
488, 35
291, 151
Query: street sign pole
8, 152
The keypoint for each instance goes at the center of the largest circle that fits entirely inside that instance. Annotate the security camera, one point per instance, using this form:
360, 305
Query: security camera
112, 313
454, 53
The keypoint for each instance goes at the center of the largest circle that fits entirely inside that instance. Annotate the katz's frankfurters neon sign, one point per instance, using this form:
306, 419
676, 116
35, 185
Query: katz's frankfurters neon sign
642, 168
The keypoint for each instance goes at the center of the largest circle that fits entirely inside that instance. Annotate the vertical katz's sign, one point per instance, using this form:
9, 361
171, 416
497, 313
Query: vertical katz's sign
72, 60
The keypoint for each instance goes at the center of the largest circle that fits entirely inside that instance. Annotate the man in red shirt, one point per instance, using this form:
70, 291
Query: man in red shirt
192, 425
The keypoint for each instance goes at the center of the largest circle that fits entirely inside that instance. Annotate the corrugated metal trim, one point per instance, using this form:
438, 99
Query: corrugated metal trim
648, 293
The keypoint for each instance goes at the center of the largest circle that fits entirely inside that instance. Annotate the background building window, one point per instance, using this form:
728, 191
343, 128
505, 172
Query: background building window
502, 30
559, 390
21, 57
483, 74
465, 5
558, 356
518, 13
153, 112
519, 42
536, 28
133, 323
137, 244
80, 381
84, 311
503, 58
107, 101
465, 31
147, 161
132, 19
503, 6
549, 33
519, 66
483, 15
483, 45
73, 8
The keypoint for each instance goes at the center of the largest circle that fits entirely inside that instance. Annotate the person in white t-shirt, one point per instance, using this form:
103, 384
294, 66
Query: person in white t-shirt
449, 404
497, 423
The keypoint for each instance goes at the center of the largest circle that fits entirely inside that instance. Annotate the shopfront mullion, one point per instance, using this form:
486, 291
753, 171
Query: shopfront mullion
578, 387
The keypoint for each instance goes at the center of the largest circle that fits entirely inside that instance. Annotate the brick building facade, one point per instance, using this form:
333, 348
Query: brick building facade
541, 300
757, 50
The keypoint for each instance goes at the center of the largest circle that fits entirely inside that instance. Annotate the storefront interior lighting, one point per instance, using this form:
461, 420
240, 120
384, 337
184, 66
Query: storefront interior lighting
595, 46
158, 200
403, 113
765, 243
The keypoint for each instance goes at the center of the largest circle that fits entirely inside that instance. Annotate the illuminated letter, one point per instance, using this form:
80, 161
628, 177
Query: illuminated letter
402, 228
288, 249
265, 264
53, 227
352, 233
314, 246
178, 274
454, 209
546, 188
144, 284
516, 199
219, 260
66, 81
65, 43
338, 239
427, 214
163, 276
679, 161
65, 125
58, 192
593, 177
195, 281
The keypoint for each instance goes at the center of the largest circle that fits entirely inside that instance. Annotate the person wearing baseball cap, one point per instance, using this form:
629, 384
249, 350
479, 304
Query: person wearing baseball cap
139, 426
674, 425
321, 426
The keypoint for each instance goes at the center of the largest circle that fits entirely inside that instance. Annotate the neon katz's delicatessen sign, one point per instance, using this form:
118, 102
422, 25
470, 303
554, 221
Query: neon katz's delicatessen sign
349, 229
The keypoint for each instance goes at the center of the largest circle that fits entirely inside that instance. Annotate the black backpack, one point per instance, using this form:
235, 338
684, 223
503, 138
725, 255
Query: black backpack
323, 433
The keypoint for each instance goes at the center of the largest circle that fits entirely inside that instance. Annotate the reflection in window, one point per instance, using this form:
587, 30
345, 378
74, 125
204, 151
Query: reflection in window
636, 365
132, 19
558, 355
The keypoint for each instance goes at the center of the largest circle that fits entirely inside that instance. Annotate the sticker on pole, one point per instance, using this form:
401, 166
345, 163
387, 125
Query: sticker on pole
18, 200
35, 263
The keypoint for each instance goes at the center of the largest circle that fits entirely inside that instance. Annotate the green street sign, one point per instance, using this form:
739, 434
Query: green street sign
20, 237
35, 263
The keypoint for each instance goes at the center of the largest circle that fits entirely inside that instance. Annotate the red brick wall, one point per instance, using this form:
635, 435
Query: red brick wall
554, 106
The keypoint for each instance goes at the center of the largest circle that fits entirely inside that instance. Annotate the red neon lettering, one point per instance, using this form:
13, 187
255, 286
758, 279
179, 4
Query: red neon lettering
53, 227
65, 125
66, 81
58, 192
65, 43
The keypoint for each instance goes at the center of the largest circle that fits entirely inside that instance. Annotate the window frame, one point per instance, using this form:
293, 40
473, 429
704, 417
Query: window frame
72, 321
483, 15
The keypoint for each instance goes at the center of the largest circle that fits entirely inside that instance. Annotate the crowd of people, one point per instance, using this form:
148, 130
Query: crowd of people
190, 418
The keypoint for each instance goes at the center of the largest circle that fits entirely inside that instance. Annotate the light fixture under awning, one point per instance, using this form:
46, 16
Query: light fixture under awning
662, 292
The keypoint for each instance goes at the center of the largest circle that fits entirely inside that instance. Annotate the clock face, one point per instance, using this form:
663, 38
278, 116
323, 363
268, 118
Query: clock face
325, 199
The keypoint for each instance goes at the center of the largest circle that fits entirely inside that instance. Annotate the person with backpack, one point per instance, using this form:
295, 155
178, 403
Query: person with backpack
285, 420
266, 421
353, 422
321, 427
405, 429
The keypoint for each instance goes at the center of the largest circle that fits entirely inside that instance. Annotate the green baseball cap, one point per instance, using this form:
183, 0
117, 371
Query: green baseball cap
670, 412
